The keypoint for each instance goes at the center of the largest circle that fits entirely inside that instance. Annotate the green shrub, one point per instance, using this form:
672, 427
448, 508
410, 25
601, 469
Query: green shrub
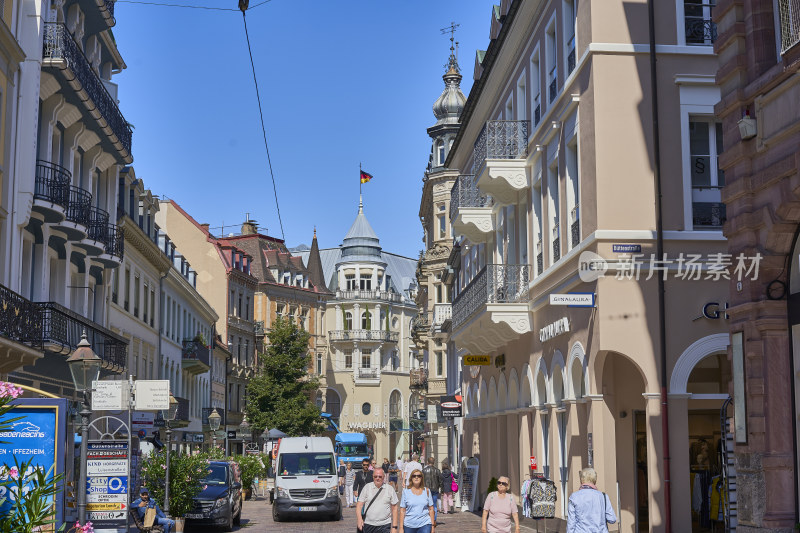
185, 475
492, 486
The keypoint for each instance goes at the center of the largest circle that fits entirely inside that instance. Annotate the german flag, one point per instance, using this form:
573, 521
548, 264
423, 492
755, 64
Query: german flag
365, 177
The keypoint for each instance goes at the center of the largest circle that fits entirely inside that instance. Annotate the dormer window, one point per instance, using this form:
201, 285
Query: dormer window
287, 276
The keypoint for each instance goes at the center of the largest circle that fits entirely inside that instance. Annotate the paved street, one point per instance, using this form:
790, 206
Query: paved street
257, 516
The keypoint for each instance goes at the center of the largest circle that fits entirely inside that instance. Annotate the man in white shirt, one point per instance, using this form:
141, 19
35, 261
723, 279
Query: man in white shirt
380, 514
409, 467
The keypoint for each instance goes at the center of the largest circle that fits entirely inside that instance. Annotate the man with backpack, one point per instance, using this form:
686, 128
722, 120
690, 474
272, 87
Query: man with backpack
433, 480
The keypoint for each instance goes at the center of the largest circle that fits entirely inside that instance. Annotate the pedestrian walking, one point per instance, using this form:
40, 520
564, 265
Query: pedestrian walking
410, 466
417, 507
376, 510
341, 473
393, 475
362, 478
349, 480
373, 464
499, 509
433, 481
590, 509
143, 503
447, 478
386, 466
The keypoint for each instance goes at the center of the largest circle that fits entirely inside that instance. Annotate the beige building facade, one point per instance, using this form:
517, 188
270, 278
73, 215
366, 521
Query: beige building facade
557, 194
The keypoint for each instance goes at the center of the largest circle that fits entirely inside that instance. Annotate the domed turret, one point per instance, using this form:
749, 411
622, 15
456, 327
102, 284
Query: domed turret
448, 107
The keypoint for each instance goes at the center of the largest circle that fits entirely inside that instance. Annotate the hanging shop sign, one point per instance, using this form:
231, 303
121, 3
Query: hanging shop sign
232, 434
550, 331
451, 406
472, 360
39, 437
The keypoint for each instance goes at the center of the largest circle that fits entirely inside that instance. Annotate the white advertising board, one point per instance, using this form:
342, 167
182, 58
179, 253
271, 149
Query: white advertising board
103, 467
96, 497
152, 394
110, 395
142, 420
106, 515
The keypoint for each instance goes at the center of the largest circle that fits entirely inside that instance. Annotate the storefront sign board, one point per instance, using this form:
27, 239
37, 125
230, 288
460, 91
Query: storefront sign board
472, 360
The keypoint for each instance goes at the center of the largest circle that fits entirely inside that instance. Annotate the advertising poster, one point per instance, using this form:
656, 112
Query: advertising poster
451, 406
40, 437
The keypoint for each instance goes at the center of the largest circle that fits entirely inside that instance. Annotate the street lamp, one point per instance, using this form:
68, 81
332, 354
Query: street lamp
169, 415
244, 430
213, 420
84, 365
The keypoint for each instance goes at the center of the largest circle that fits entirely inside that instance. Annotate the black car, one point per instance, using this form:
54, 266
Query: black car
220, 502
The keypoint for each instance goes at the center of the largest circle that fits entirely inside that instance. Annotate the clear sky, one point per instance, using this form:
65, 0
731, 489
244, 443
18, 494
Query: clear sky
341, 83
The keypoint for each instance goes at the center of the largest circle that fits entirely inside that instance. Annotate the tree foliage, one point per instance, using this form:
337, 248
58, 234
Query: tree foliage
280, 394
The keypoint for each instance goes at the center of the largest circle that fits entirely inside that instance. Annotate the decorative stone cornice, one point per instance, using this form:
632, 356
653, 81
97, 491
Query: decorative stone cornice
134, 236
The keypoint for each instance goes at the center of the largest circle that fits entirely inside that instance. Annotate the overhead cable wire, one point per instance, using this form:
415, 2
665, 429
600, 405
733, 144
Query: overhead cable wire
161, 4
263, 128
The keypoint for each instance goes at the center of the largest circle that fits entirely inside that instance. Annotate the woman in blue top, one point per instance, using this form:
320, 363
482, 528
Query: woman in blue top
416, 506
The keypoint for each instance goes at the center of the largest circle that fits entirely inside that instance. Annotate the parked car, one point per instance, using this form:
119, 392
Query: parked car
220, 502
306, 483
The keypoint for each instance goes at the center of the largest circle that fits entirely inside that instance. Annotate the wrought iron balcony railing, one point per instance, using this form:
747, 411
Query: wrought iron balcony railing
52, 183
80, 204
500, 139
59, 45
418, 378
196, 351
708, 214
494, 284
363, 335
368, 373
62, 329
539, 263
388, 296
98, 224
20, 319
465, 193
109, 6
183, 409
697, 20
115, 241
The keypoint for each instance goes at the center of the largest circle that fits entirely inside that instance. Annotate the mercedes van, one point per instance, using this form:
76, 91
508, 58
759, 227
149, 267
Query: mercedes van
306, 482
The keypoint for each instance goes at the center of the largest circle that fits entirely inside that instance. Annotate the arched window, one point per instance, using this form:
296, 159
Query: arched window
332, 403
395, 405
365, 320
348, 320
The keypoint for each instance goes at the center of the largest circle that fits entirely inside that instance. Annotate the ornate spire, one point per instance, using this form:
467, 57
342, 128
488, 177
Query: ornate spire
447, 108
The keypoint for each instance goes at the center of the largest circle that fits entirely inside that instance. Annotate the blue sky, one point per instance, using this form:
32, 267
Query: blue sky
341, 83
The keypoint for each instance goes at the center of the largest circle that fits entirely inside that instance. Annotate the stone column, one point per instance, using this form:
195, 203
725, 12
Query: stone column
524, 439
576, 441
67, 273
679, 461
339, 318
357, 316
604, 443
82, 305
655, 455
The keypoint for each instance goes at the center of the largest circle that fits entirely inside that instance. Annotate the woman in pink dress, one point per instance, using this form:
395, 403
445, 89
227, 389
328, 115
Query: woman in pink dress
498, 510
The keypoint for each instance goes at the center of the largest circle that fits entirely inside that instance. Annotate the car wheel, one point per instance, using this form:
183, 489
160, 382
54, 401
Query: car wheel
275, 516
229, 525
237, 520
337, 515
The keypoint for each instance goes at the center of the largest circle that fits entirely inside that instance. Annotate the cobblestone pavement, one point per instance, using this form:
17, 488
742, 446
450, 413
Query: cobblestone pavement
257, 517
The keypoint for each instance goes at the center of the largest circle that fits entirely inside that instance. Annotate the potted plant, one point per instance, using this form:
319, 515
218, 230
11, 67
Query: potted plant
251, 467
186, 473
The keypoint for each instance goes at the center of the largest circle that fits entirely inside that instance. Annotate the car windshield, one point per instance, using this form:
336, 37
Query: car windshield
306, 464
350, 450
217, 475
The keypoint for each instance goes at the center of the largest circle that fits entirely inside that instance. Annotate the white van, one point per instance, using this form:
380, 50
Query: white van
306, 482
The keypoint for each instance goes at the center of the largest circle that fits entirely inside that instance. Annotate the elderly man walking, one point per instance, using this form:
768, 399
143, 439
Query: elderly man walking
376, 510
589, 508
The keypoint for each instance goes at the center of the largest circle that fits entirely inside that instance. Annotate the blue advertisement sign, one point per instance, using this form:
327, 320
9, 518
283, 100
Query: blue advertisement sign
40, 438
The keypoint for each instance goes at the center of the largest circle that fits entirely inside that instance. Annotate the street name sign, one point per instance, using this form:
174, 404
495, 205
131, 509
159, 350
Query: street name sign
152, 394
472, 360
573, 299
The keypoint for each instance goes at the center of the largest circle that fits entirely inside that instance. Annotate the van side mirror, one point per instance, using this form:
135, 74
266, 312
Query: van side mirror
236, 485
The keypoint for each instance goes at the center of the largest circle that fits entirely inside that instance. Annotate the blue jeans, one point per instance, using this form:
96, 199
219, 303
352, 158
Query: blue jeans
166, 522
435, 496
421, 529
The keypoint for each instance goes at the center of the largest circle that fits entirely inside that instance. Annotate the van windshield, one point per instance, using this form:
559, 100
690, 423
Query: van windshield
306, 464
217, 475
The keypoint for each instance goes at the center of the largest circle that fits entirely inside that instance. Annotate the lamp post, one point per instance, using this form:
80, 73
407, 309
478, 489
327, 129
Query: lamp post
213, 421
84, 365
244, 429
169, 416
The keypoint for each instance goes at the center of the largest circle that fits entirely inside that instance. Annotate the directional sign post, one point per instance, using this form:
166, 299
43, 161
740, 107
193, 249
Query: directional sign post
107, 467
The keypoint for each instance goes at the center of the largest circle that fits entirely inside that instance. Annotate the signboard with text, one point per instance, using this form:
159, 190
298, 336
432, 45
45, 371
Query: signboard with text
110, 395
451, 406
107, 487
471, 360
39, 439
152, 394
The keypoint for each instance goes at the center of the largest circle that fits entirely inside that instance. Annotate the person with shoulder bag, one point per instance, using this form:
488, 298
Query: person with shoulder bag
498, 510
433, 480
376, 510
417, 507
590, 510
447, 482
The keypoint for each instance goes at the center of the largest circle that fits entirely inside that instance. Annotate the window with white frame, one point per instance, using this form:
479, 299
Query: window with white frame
705, 145
522, 98
350, 282
348, 358
536, 89
552, 65
366, 320
442, 220
699, 26
365, 283
440, 153
569, 35
573, 184
553, 206
348, 320
366, 358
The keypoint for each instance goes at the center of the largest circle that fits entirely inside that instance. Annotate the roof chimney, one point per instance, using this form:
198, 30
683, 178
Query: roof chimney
250, 227
205, 227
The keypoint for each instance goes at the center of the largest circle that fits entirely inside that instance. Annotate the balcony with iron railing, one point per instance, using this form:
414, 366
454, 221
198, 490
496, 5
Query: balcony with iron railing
367, 375
363, 335
539, 256
51, 186
195, 357
183, 415
241, 323
698, 23
78, 213
20, 330
470, 210
442, 316
499, 157
492, 309
418, 379
387, 296
62, 329
63, 55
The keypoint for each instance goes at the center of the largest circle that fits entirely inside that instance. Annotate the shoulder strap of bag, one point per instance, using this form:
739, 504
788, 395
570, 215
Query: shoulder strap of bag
604, 509
372, 501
